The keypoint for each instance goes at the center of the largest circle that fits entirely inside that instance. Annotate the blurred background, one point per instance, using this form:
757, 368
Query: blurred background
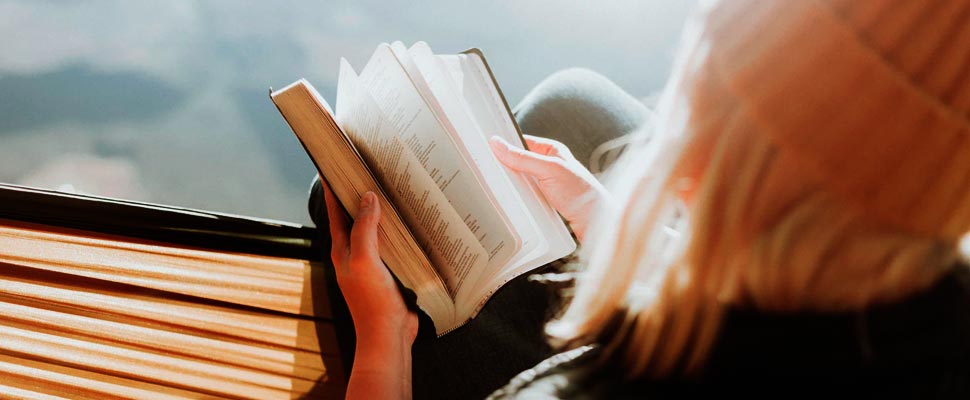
166, 101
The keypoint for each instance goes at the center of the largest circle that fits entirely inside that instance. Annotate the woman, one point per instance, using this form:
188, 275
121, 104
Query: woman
796, 215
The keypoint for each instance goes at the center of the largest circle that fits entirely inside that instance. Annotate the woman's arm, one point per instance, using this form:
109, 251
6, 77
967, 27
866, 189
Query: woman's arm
385, 327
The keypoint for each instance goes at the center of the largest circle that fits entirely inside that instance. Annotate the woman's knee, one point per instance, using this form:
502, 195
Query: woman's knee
573, 89
580, 108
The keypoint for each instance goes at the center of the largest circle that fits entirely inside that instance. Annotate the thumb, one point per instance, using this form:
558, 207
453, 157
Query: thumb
363, 236
535, 164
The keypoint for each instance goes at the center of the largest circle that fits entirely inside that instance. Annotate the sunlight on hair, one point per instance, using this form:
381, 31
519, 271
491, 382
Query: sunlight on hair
965, 246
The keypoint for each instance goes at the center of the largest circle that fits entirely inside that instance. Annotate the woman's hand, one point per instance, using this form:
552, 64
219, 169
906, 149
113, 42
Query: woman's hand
570, 188
385, 327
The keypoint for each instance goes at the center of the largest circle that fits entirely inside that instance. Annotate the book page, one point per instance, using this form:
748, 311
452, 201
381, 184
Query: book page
484, 108
502, 181
394, 92
452, 246
480, 92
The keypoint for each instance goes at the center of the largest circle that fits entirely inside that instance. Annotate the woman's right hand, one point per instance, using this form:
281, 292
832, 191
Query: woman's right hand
568, 186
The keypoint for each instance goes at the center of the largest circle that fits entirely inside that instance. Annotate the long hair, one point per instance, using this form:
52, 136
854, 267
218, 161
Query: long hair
708, 214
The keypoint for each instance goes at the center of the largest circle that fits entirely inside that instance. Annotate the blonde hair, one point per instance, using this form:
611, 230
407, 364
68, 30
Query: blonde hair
710, 213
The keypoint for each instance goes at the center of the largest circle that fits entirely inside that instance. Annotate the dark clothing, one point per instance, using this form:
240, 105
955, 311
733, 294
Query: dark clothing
916, 348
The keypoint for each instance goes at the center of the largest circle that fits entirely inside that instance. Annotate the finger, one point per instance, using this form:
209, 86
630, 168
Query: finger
547, 146
535, 164
338, 224
363, 236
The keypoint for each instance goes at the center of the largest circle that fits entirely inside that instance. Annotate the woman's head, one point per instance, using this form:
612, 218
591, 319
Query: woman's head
808, 156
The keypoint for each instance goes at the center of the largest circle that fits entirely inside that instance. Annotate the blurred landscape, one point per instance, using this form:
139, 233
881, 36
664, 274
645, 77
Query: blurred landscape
166, 101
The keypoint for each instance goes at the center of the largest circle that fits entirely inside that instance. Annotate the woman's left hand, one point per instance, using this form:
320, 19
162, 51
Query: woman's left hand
380, 316
372, 296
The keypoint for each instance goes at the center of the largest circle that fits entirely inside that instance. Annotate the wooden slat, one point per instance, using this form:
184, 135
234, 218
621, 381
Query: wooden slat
231, 277
56, 381
93, 316
252, 355
109, 301
181, 372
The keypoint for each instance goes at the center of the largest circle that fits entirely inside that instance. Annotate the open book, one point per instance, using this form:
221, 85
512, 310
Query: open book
413, 127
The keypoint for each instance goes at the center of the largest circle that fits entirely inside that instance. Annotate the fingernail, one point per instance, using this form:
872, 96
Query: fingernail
497, 143
367, 201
